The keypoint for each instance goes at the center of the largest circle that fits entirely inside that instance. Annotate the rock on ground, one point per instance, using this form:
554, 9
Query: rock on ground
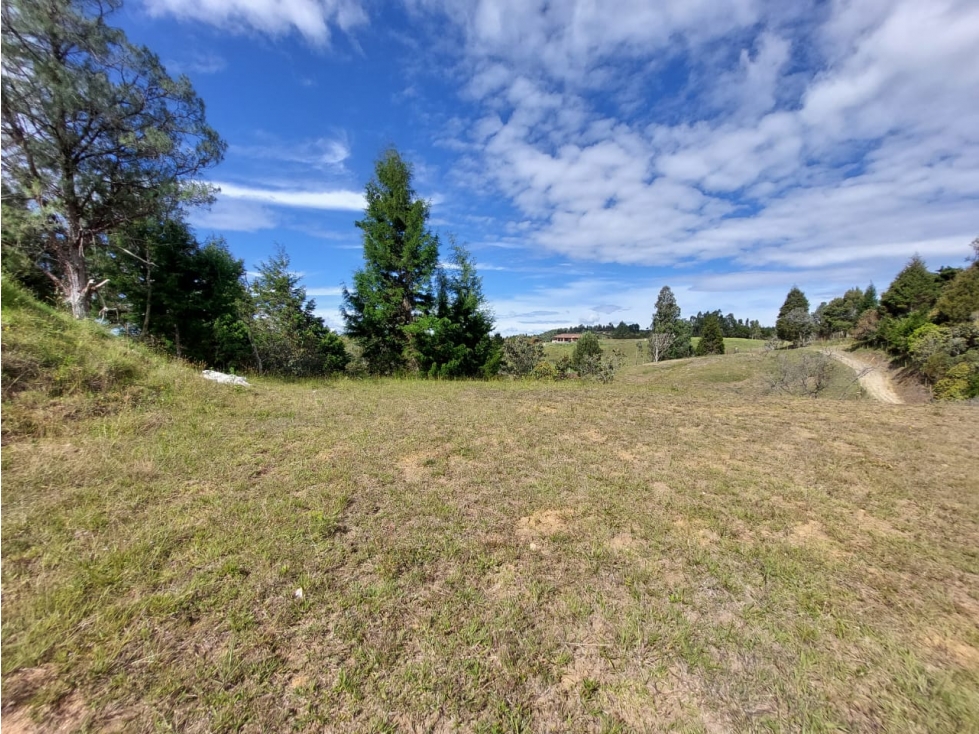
221, 377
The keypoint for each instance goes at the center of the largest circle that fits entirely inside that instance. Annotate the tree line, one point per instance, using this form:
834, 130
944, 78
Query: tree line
927, 320
731, 328
102, 148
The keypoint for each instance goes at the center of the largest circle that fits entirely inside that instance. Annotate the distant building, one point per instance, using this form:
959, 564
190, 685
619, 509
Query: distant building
565, 338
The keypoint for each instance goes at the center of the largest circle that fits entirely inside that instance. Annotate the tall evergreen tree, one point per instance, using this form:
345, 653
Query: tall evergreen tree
669, 335
290, 339
794, 324
454, 340
870, 299
667, 311
711, 337
165, 285
95, 133
400, 258
915, 288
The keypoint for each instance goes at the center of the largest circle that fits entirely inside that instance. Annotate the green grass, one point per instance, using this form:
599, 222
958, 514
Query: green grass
675, 551
745, 374
627, 348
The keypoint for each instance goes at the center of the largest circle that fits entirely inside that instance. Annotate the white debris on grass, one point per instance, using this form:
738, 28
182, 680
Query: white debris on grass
221, 377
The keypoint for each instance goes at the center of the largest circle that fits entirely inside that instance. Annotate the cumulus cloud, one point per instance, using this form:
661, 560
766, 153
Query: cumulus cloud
816, 139
333, 200
571, 39
311, 18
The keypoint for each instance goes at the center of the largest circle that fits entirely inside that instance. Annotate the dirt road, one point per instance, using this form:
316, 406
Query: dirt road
873, 378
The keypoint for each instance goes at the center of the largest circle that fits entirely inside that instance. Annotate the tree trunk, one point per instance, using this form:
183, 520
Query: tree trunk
149, 296
74, 282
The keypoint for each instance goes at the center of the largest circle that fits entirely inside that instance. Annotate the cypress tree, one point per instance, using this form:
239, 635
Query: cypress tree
793, 323
914, 289
289, 337
454, 340
400, 258
711, 337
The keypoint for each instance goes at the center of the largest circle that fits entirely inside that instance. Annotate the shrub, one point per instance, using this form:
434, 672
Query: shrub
960, 382
520, 355
808, 375
586, 348
544, 371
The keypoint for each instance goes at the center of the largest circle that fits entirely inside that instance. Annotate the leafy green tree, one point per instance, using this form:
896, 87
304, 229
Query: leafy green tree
289, 338
915, 288
622, 331
793, 323
711, 337
400, 257
95, 133
454, 340
839, 316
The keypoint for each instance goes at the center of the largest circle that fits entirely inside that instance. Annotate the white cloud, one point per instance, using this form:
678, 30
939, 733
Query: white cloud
232, 215
569, 39
203, 62
320, 153
311, 18
324, 292
333, 200
831, 139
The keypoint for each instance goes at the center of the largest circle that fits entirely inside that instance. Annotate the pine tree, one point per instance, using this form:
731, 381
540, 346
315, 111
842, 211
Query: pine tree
669, 336
400, 258
165, 285
870, 299
454, 340
915, 288
289, 338
794, 324
711, 337
95, 133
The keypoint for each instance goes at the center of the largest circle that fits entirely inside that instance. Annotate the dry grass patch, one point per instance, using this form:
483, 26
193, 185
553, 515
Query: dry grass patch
703, 561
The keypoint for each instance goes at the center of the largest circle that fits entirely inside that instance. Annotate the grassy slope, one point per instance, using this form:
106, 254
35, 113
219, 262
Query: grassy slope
671, 551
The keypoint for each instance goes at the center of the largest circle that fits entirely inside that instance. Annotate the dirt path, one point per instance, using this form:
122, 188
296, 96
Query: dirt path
873, 378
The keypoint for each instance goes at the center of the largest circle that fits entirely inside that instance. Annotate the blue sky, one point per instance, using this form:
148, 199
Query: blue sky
589, 152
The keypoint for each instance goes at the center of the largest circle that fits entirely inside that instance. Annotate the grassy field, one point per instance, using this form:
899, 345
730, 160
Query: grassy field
672, 552
627, 348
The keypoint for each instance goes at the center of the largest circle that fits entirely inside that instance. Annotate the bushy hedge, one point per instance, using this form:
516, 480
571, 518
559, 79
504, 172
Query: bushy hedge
933, 327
